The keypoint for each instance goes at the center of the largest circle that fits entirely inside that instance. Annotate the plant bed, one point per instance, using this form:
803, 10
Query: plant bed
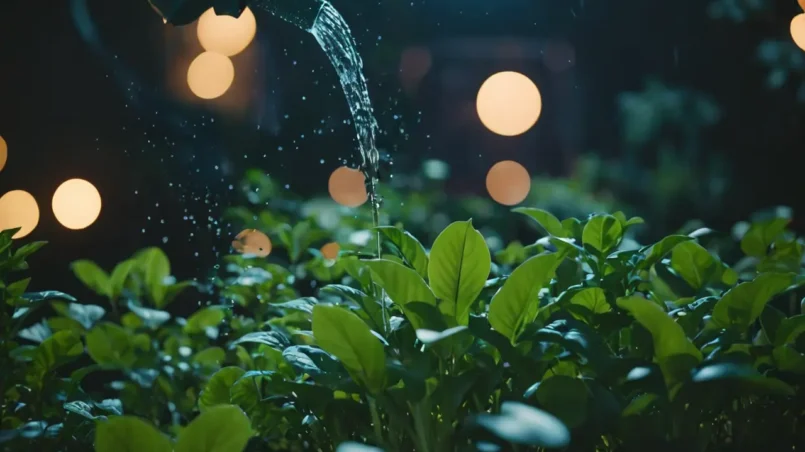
580, 341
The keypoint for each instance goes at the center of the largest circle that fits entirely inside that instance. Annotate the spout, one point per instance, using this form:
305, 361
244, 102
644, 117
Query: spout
302, 13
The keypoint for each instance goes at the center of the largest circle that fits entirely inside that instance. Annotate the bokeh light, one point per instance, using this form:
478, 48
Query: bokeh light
210, 75
347, 187
509, 103
330, 250
76, 204
508, 183
798, 30
252, 242
226, 35
18, 209
3, 153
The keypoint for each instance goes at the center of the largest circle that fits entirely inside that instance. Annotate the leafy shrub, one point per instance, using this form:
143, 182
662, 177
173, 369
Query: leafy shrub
580, 341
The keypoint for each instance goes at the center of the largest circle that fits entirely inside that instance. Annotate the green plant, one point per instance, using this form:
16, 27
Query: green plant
581, 340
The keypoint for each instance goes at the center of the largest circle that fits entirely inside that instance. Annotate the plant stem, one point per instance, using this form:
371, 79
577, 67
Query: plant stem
376, 420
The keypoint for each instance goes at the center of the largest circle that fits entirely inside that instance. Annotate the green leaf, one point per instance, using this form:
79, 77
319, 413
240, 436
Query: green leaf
60, 348
761, 235
129, 434
351, 446
743, 374
639, 404
345, 336
430, 337
788, 359
222, 428
409, 247
592, 298
564, 397
460, 263
216, 391
156, 268
549, 224
111, 346
789, 330
744, 303
603, 233
151, 318
16, 289
92, 276
654, 253
304, 304
259, 337
210, 357
402, 285
208, 317
693, 263
119, 277
523, 424
516, 303
85, 314
669, 337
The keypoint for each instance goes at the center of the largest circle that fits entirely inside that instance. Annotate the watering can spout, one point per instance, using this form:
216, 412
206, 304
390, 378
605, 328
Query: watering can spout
302, 13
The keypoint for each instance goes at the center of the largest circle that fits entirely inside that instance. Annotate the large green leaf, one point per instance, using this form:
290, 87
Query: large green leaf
222, 428
111, 346
523, 424
216, 391
409, 247
592, 298
93, 277
345, 336
120, 274
459, 266
549, 224
761, 235
85, 314
516, 303
129, 434
603, 233
203, 319
790, 329
693, 263
654, 253
402, 284
564, 397
156, 268
669, 337
744, 303
60, 348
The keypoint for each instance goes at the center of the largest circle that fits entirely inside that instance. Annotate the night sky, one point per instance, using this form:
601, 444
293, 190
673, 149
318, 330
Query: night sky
114, 109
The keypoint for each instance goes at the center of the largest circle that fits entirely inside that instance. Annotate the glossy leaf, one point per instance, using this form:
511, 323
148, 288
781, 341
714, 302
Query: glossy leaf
603, 233
516, 303
564, 397
744, 303
129, 434
92, 276
156, 268
402, 285
346, 336
522, 424
593, 298
206, 318
459, 266
657, 251
693, 263
216, 390
549, 224
151, 318
669, 337
222, 428
111, 346
761, 235
410, 248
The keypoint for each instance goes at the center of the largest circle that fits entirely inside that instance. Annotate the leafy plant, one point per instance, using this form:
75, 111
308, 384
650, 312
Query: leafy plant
581, 340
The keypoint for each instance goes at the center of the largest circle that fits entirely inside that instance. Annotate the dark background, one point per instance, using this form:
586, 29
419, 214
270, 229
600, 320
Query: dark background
113, 108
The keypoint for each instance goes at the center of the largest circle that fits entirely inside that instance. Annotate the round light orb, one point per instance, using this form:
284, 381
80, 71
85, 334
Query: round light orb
798, 30
508, 183
18, 209
3, 153
509, 103
76, 204
226, 35
330, 251
801, 4
251, 242
210, 75
347, 187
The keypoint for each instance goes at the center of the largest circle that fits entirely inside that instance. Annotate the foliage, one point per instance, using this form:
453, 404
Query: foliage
581, 340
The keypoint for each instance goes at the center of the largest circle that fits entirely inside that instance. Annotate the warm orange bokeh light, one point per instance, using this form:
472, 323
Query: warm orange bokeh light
802, 4
76, 204
330, 250
252, 242
18, 209
798, 30
226, 35
210, 75
348, 187
509, 103
508, 183
3, 153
